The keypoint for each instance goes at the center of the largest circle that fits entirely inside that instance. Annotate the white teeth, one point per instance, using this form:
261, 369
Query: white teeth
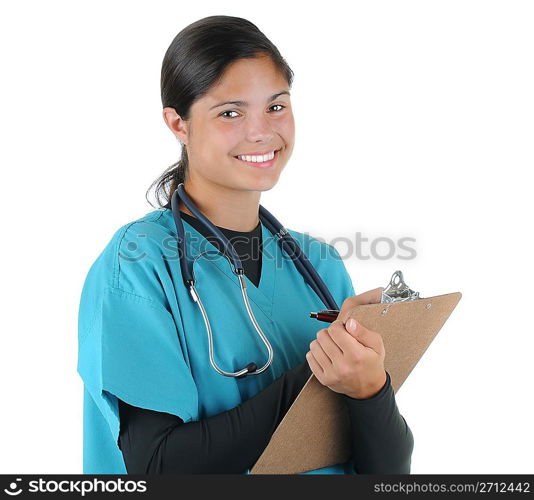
257, 159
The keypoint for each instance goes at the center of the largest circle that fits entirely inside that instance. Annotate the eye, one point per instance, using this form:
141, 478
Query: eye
229, 111
225, 113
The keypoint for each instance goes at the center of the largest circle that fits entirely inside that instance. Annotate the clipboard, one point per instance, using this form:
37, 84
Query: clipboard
315, 431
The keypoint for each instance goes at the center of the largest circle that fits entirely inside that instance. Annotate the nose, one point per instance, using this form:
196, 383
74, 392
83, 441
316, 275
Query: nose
259, 129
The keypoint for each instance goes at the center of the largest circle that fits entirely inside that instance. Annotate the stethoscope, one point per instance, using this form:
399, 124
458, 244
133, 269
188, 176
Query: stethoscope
287, 244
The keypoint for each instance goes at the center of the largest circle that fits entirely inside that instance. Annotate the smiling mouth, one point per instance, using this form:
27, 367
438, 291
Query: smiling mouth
243, 157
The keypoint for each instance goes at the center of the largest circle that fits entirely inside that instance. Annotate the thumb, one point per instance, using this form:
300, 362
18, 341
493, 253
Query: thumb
353, 327
362, 334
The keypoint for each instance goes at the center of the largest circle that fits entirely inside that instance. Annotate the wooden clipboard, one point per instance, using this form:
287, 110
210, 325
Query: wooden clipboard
315, 431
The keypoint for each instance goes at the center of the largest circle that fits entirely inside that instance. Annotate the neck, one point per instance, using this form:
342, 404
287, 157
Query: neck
224, 207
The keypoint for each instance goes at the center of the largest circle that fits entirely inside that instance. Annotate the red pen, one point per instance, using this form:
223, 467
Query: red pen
328, 315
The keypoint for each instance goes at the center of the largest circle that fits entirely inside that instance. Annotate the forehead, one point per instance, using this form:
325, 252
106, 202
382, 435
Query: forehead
253, 78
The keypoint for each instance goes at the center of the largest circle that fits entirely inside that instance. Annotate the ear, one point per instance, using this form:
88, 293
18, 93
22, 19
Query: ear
176, 124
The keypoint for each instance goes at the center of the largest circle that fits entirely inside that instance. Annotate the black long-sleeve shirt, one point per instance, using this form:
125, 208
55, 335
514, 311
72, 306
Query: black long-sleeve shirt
157, 443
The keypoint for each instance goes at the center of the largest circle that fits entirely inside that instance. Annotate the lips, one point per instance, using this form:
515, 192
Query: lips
265, 164
259, 153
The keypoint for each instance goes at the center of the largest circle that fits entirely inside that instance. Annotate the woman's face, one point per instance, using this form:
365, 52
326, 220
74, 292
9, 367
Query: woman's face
262, 122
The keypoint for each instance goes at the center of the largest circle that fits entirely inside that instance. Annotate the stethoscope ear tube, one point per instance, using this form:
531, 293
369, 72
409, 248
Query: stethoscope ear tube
238, 266
251, 368
186, 275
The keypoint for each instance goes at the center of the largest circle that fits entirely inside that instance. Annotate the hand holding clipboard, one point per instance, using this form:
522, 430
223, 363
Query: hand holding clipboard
347, 357
313, 433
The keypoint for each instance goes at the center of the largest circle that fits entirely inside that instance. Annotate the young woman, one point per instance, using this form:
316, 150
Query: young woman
162, 391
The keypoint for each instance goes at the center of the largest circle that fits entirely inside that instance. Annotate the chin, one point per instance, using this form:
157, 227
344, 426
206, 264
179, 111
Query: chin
264, 184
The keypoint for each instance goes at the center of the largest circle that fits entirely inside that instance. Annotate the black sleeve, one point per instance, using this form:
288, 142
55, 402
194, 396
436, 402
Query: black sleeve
382, 442
228, 443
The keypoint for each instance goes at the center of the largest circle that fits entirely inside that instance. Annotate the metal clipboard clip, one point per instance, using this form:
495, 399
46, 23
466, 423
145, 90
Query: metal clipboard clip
397, 290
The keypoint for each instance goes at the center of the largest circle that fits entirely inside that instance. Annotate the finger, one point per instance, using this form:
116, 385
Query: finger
330, 348
320, 355
343, 339
368, 338
373, 296
314, 366
369, 297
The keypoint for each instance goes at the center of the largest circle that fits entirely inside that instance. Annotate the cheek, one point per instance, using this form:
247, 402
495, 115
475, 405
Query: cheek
287, 128
217, 135
225, 139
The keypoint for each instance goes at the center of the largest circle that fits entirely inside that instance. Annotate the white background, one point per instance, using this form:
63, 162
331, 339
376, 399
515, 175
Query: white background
414, 119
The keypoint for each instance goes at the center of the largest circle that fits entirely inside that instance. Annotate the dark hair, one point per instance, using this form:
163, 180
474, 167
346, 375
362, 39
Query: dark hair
195, 61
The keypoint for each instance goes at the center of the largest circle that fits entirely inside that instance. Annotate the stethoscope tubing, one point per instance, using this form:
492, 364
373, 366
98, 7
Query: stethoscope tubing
287, 244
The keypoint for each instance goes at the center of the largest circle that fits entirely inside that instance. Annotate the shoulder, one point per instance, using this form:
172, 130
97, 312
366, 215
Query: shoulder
136, 253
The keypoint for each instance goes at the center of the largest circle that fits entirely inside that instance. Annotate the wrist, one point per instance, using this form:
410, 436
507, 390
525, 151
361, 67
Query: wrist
373, 391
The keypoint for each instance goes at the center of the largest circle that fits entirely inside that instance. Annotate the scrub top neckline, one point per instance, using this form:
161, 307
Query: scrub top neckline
223, 229
230, 234
263, 294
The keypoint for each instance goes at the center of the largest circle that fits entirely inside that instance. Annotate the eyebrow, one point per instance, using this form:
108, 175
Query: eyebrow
243, 103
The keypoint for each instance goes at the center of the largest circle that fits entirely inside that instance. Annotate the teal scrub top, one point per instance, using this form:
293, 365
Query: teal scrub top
141, 337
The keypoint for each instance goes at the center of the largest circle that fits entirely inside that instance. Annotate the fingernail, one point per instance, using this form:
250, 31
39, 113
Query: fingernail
351, 324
